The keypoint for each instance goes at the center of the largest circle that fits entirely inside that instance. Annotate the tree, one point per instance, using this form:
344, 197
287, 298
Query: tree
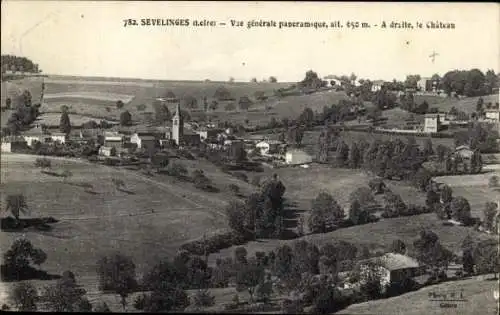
159, 161
203, 298
16, 204
102, 307
213, 105
200, 180
363, 195
430, 252
119, 104
125, 118
24, 296
65, 296
446, 194
244, 102
248, 277
493, 181
117, 273
394, 205
230, 106
240, 255
272, 79
486, 256
222, 94
162, 114
8, 102
460, 209
64, 123
190, 102
398, 247
422, 178
324, 212
489, 213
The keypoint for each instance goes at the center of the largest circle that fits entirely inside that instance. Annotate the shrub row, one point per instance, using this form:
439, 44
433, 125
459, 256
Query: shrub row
215, 243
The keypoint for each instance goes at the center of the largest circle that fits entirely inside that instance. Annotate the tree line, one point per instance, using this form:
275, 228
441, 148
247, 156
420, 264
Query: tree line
17, 63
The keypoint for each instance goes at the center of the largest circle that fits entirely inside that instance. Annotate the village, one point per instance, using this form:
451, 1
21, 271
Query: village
316, 161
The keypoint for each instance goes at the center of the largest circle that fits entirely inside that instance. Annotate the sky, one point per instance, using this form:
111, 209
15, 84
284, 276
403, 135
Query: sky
89, 39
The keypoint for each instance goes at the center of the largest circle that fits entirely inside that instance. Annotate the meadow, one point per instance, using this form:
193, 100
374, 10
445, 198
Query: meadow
444, 104
149, 219
477, 291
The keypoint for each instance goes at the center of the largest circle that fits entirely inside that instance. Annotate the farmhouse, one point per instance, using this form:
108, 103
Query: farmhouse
432, 123
144, 141
37, 134
267, 147
107, 151
296, 156
377, 85
12, 143
492, 114
114, 139
59, 137
427, 85
391, 268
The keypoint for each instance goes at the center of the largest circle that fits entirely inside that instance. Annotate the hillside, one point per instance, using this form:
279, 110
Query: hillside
477, 292
467, 104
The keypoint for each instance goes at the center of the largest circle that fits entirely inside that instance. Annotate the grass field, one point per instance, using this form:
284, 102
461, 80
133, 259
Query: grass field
477, 291
310, 140
147, 221
474, 188
444, 104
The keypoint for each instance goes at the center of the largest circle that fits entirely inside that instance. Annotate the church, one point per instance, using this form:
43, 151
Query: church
181, 135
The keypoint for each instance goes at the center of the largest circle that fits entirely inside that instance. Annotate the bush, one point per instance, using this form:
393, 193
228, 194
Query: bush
377, 186
215, 243
241, 176
290, 306
203, 298
493, 181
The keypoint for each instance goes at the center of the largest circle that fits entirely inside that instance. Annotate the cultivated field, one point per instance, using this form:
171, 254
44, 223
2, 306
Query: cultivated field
477, 291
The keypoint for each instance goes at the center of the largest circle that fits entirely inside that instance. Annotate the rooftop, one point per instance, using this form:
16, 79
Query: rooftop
393, 261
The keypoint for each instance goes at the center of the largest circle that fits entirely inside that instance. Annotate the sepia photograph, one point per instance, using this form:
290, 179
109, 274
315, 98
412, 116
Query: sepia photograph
250, 157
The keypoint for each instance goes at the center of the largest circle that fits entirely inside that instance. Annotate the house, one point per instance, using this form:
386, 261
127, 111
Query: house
464, 151
492, 114
427, 85
107, 151
114, 139
296, 156
144, 141
208, 133
58, 137
377, 85
13, 143
267, 147
432, 123
36, 134
391, 268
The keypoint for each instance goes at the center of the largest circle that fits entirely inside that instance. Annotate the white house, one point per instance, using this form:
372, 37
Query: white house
58, 137
295, 156
377, 85
432, 123
113, 139
268, 147
143, 141
9, 144
492, 114
107, 151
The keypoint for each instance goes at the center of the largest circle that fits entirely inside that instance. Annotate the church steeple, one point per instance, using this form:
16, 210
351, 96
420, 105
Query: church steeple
177, 125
